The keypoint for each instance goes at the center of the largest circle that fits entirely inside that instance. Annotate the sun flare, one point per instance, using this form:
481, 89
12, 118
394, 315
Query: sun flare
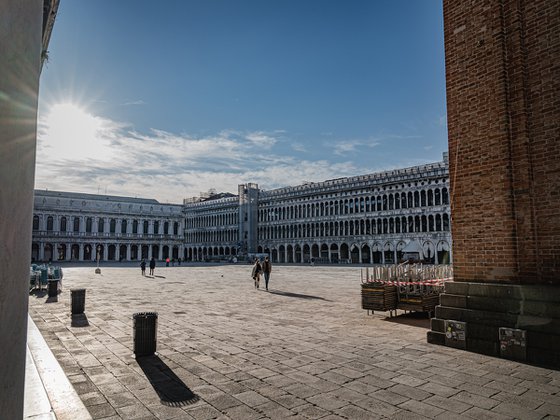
69, 131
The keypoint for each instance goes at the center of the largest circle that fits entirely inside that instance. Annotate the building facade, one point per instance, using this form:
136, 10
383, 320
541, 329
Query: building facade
380, 218
86, 227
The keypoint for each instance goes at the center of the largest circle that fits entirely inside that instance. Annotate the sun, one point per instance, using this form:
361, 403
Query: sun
69, 131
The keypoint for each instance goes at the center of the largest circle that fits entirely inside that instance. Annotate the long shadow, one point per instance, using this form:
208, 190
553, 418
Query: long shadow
295, 295
160, 277
414, 319
39, 293
171, 390
79, 320
52, 299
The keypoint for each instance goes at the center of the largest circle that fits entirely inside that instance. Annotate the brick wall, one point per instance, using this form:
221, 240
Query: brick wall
503, 83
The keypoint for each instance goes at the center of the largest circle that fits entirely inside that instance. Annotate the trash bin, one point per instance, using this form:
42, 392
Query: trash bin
145, 333
53, 288
78, 298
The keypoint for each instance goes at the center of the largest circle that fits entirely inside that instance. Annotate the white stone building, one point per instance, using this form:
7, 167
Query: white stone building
75, 227
380, 218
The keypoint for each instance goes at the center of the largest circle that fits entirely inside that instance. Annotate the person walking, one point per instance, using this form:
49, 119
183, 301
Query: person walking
143, 266
256, 273
267, 268
152, 266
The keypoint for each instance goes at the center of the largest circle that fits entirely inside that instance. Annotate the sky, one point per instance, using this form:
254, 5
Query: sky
169, 99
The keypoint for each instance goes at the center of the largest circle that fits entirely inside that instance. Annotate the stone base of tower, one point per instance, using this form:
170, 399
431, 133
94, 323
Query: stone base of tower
518, 322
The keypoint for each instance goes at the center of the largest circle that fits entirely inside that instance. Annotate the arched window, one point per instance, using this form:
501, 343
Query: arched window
391, 202
89, 223
76, 224
124, 225
438, 197
446, 222
112, 226
101, 225
166, 228
145, 226
135, 226
156, 227
430, 198
445, 196
49, 223
63, 224
175, 228
35, 222
423, 198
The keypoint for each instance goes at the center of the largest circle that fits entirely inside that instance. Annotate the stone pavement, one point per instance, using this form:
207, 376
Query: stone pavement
304, 350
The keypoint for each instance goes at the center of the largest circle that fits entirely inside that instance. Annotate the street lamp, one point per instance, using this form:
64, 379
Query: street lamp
98, 270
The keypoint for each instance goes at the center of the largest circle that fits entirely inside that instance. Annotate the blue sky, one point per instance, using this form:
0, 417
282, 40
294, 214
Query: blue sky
165, 100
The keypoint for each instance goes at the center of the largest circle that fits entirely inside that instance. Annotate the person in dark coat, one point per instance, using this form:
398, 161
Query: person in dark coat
152, 266
143, 267
267, 268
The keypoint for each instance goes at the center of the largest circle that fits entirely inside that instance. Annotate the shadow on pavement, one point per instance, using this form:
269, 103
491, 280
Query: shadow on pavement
171, 389
295, 295
414, 319
80, 320
160, 277
39, 293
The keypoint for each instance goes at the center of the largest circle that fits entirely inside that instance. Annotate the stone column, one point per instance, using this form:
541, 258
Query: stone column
20, 65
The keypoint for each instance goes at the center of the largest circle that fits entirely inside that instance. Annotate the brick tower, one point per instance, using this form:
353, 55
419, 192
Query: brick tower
503, 84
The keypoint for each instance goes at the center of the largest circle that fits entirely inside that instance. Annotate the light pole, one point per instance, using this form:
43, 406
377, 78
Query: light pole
98, 270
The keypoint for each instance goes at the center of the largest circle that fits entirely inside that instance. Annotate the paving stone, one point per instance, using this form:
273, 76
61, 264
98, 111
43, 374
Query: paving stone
275, 351
202, 412
517, 411
389, 397
448, 404
410, 392
274, 410
101, 410
476, 400
356, 413
251, 398
481, 413
92, 398
421, 408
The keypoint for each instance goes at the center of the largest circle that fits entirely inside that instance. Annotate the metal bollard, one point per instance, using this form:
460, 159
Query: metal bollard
78, 301
53, 288
145, 333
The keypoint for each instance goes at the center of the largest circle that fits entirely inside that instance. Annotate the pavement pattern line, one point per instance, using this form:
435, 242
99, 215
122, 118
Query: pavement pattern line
304, 350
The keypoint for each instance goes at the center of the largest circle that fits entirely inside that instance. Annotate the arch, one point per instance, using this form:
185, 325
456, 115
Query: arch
63, 224
315, 251
61, 252
366, 254
281, 254
289, 254
123, 253
34, 251
400, 253
175, 252
89, 224
274, 255
389, 253
354, 254
50, 223
334, 253
75, 252
155, 252
165, 251
134, 252
297, 254
344, 252
144, 252
112, 226
443, 252
306, 253
88, 252
324, 256
429, 251
112, 252
124, 225
376, 254
35, 222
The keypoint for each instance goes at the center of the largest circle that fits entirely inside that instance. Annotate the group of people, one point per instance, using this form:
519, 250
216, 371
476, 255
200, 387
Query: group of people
152, 266
265, 268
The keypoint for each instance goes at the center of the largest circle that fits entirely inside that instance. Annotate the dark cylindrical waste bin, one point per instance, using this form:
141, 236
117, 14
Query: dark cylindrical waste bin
78, 298
53, 288
145, 333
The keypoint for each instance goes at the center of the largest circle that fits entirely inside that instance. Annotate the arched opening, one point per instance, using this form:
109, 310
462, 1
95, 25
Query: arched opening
75, 252
334, 253
366, 254
112, 252
344, 254
123, 253
355, 254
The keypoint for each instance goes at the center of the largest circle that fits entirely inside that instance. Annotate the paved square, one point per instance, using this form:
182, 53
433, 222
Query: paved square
303, 350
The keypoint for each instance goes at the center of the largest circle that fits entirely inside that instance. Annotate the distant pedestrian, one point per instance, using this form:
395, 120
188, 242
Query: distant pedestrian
152, 266
143, 266
267, 268
256, 272
179, 260
167, 262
